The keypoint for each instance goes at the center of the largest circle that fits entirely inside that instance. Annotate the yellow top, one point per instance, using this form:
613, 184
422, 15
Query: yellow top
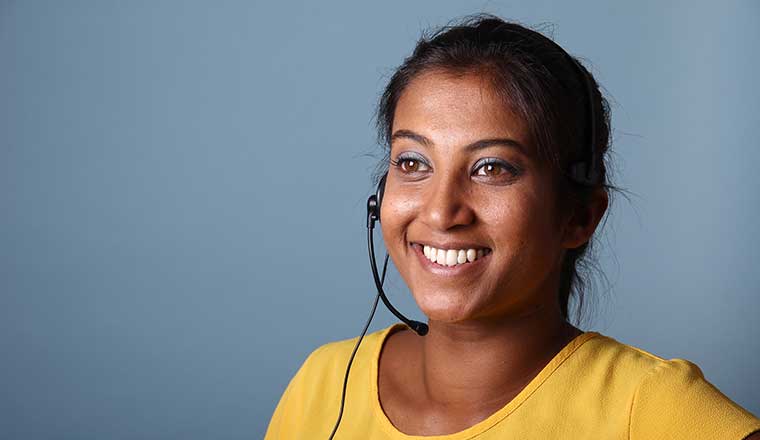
594, 388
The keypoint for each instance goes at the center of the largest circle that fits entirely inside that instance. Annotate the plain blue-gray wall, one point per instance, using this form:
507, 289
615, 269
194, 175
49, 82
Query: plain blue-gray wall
183, 187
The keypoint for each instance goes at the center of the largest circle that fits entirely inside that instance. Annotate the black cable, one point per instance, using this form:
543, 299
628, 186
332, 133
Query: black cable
419, 327
351, 360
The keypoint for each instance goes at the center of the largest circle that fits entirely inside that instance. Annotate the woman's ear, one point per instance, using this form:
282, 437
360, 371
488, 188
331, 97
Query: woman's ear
584, 220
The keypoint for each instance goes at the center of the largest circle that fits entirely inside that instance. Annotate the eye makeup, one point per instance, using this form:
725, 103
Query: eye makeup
409, 162
506, 166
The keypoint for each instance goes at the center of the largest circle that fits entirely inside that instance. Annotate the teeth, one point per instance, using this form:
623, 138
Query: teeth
440, 256
452, 257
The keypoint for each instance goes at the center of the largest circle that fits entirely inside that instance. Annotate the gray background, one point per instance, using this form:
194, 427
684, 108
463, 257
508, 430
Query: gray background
183, 190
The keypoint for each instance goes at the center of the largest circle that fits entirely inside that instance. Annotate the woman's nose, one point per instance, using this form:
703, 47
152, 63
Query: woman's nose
446, 204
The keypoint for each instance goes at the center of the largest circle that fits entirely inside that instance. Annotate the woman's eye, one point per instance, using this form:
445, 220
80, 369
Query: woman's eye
491, 169
496, 169
410, 165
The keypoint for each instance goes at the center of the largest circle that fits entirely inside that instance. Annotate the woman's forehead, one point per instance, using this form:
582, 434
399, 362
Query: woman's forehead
456, 109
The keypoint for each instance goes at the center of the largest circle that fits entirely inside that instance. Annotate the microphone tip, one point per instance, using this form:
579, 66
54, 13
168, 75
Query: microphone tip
420, 328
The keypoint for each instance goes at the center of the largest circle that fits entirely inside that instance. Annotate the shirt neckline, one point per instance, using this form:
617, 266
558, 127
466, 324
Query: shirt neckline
484, 424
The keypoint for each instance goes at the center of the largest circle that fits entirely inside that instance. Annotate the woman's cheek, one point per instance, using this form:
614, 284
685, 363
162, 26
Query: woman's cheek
397, 210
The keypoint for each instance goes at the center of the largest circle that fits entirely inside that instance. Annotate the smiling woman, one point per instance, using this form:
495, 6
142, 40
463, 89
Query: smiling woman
496, 198
492, 190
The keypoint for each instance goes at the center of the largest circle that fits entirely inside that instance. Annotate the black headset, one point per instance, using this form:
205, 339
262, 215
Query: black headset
373, 214
584, 172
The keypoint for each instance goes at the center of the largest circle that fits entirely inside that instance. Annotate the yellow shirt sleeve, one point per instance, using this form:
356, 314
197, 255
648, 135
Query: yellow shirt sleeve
675, 401
291, 403
274, 430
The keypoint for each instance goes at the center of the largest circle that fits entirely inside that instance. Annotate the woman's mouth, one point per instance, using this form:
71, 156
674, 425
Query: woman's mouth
451, 261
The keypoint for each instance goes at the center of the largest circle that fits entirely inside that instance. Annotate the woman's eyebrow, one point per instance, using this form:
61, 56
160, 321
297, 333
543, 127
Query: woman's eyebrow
477, 145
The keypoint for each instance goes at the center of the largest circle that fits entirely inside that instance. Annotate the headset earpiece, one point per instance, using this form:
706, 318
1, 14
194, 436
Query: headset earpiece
586, 171
379, 193
375, 201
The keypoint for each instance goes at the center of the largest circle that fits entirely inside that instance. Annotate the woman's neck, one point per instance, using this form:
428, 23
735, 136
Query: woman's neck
483, 363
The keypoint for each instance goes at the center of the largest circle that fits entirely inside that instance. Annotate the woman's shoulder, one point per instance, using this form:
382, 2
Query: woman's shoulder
610, 353
671, 394
614, 361
313, 394
328, 361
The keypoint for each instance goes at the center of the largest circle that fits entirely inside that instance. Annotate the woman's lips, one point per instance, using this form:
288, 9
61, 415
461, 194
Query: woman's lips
469, 268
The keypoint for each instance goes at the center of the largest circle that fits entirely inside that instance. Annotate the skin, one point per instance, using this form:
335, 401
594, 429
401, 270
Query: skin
492, 330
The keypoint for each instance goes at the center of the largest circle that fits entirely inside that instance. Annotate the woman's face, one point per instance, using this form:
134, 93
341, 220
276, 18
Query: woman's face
463, 176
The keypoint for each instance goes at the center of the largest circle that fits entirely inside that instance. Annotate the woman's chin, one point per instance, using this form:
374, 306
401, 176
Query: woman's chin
445, 308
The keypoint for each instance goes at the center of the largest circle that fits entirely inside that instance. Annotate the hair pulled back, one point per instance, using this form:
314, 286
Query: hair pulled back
540, 83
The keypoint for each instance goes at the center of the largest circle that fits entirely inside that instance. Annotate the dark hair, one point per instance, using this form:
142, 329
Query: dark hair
540, 83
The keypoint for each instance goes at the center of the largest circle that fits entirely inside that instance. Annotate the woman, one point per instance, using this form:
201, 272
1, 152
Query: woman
495, 185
